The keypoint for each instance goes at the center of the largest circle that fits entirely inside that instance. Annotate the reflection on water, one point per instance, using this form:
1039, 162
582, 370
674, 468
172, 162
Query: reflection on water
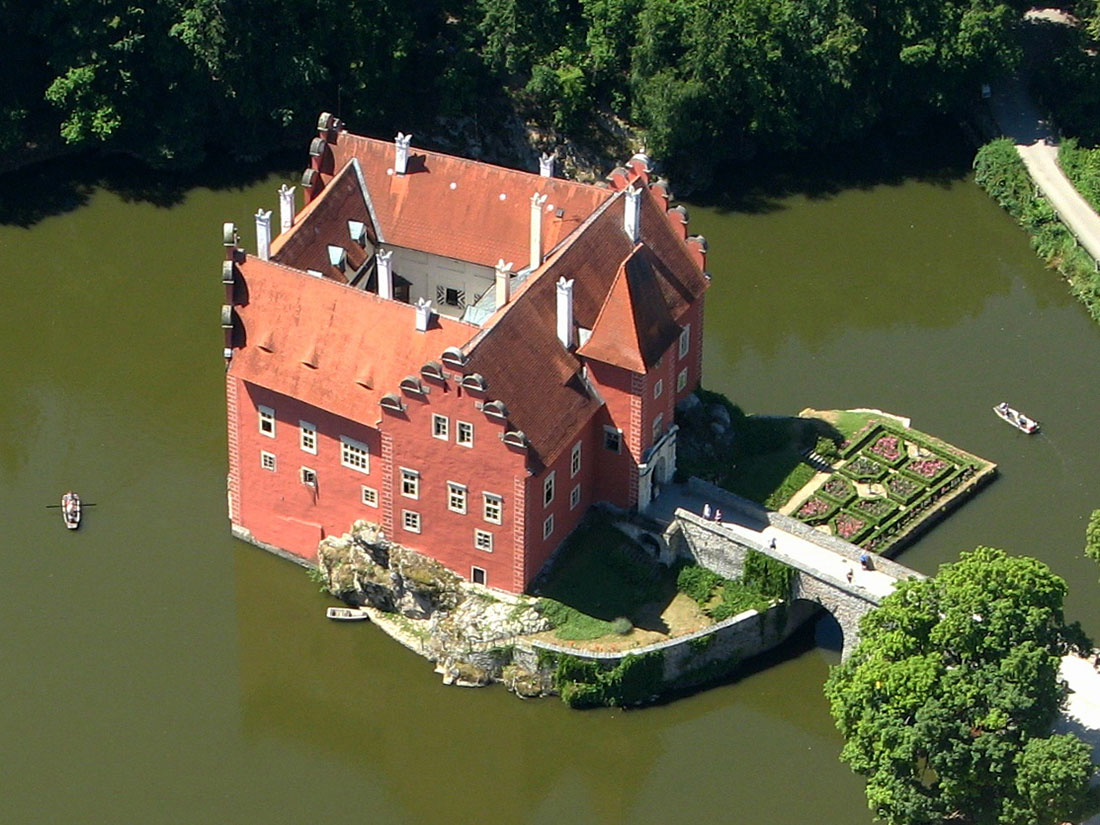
158, 671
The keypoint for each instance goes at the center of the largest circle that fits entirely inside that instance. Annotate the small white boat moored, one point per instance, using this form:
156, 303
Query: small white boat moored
70, 509
346, 614
1016, 418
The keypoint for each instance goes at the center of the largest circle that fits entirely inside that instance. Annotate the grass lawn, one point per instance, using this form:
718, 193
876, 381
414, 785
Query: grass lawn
600, 576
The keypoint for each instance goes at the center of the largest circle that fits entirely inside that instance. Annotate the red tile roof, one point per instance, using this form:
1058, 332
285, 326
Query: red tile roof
330, 345
324, 221
461, 208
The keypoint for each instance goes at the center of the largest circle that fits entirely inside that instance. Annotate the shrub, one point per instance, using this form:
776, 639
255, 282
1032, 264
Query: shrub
769, 576
622, 625
697, 582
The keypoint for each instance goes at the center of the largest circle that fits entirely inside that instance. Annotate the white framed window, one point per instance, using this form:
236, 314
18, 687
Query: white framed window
370, 496
267, 421
441, 427
685, 340
307, 437
548, 489
483, 540
354, 454
658, 388
410, 520
575, 460
456, 497
574, 497
658, 426
308, 476
548, 526
410, 483
493, 508
464, 433
612, 439
478, 575
267, 460
682, 380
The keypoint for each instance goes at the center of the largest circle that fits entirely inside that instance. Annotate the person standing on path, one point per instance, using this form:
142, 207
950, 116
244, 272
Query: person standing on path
706, 511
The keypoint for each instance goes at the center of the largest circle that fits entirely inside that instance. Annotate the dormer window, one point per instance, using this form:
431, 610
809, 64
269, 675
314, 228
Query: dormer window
337, 256
495, 409
453, 357
357, 232
432, 370
474, 381
391, 402
412, 384
516, 438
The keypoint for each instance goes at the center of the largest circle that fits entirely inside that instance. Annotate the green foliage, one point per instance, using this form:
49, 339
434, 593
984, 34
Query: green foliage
1082, 167
722, 598
1092, 537
946, 704
768, 576
571, 624
697, 582
737, 597
621, 626
587, 683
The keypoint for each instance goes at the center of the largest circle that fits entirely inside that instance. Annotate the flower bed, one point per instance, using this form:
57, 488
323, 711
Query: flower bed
848, 527
862, 468
929, 470
875, 509
838, 489
889, 448
903, 489
815, 510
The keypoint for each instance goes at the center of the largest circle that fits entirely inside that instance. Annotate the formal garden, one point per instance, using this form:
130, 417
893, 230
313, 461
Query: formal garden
884, 480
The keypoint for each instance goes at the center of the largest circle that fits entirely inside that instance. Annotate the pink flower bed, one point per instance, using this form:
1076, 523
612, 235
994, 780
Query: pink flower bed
847, 526
813, 507
888, 446
929, 467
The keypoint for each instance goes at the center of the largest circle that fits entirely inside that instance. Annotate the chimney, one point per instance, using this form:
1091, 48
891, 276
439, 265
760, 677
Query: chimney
546, 165
263, 234
401, 157
229, 240
632, 214
565, 312
286, 208
537, 202
423, 314
385, 274
504, 282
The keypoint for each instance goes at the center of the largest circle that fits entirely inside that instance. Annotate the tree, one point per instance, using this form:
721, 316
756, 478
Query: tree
1092, 537
947, 702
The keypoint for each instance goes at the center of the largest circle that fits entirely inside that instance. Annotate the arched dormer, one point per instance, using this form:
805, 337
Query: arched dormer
391, 402
453, 357
516, 438
495, 409
412, 384
474, 382
433, 371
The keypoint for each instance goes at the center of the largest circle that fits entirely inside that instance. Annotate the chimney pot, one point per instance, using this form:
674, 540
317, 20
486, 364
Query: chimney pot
565, 312
632, 213
401, 156
263, 234
385, 273
286, 208
504, 283
537, 202
423, 314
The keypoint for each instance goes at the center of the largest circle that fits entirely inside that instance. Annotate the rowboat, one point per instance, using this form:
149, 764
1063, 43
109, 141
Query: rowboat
70, 509
1016, 418
346, 614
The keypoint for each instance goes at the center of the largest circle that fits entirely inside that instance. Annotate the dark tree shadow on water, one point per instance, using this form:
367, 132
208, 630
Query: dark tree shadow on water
54, 187
938, 154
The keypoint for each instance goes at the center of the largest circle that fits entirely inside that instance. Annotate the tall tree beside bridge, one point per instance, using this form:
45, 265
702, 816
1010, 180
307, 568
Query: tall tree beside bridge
947, 703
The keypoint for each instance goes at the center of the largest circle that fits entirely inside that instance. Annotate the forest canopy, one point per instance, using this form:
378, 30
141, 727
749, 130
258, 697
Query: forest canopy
172, 80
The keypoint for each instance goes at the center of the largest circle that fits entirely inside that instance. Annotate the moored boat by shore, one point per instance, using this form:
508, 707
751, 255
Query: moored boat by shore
70, 509
1016, 418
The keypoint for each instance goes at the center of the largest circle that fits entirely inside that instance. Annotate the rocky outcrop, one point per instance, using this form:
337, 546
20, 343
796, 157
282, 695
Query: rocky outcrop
469, 631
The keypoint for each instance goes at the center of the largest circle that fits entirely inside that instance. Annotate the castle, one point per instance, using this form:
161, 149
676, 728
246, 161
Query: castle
468, 355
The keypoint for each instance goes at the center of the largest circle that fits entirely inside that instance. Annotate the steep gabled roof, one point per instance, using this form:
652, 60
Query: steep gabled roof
635, 326
329, 345
461, 208
324, 222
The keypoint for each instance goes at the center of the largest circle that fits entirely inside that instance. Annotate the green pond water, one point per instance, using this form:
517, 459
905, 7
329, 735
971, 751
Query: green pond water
157, 671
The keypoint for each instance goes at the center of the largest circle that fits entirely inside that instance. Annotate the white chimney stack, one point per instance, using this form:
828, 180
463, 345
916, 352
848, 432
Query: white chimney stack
537, 202
423, 314
632, 214
504, 282
565, 312
286, 208
401, 158
546, 165
263, 234
385, 273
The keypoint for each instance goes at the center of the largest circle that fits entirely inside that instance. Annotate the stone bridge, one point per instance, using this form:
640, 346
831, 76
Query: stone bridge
828, 572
